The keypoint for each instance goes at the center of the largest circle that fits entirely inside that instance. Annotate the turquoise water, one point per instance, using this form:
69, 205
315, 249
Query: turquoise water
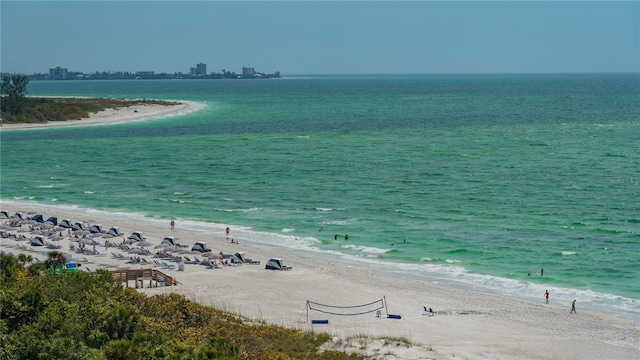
471, 180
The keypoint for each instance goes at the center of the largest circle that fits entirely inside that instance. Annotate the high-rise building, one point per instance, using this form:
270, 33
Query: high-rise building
248, 72
58, 73
198, 70
201, 69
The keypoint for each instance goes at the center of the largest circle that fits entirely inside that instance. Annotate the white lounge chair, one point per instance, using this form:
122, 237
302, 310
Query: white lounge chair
168, 266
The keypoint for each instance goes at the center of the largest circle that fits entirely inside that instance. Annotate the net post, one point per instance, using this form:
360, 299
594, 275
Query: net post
384, 300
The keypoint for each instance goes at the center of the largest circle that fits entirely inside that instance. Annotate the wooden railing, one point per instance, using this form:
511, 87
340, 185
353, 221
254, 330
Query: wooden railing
141, 276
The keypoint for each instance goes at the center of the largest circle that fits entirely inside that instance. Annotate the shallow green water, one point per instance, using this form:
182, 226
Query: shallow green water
477, 180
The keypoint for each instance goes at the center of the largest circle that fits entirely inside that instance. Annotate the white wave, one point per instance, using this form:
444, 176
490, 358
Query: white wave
567, 253
285, 230
342, 222
324, 209
89, 192
239, 210
451, 261
425, 259
365, 249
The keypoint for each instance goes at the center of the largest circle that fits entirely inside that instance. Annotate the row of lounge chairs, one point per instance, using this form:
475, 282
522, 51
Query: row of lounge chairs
164, 265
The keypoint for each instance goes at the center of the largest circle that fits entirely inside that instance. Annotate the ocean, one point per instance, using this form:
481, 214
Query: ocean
475, 181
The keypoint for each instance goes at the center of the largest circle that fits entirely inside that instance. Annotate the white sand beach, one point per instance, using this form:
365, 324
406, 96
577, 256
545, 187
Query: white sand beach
467, 324
108, 116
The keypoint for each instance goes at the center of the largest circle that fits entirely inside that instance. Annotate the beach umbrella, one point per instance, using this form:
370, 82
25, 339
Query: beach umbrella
89, 241
19, 215
170, 249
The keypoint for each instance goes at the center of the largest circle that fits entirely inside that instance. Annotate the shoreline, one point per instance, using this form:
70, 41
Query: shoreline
112, 116
467, 323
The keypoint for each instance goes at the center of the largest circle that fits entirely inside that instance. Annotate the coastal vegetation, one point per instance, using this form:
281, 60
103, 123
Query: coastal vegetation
13, 90
78, 315
17, 108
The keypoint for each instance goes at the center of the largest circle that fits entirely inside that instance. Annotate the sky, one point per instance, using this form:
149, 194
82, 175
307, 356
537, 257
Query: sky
321, 37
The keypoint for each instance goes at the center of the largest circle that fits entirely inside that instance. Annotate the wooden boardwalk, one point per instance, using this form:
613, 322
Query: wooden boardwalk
141, 276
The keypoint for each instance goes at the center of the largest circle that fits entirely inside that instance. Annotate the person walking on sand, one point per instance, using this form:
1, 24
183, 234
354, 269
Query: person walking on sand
573, 307
546, 295
228, 231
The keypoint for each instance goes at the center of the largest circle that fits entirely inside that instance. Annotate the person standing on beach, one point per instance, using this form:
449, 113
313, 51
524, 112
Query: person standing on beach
546, 295
228, 231
173, 224
573, 307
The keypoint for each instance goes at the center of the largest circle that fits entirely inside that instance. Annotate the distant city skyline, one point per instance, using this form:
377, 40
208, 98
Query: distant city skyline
308, 37
195, 72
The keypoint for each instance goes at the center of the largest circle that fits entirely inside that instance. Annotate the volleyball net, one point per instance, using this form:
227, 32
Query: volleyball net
349, 310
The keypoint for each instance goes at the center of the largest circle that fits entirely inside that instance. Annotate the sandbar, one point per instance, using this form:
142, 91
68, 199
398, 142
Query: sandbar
135, 112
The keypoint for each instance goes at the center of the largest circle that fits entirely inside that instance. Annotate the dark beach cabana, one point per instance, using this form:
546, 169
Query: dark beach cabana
66, 223
37, 241
96, 229
115, 231
78, 226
